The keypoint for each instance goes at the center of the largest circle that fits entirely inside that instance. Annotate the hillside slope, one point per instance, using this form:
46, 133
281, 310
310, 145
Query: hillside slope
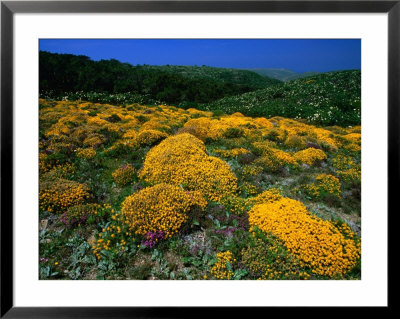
225, 75
72, 76
282, 74
332, 98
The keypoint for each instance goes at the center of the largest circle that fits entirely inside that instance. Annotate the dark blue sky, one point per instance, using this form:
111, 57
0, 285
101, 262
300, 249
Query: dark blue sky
297, 55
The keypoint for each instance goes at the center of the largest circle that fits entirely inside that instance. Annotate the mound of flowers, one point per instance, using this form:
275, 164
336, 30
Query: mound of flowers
161, 208
182, 160
58, 194
310, 156
324, 184
123, 174
317, 243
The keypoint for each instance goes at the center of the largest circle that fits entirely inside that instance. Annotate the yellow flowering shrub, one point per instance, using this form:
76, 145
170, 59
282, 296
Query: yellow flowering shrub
231, 153
347, 169
150, 137
325, 184
353, 137
273, 159
310, 156
237, 205
58, 194
124, 174
114, 237
86, 153
326, 138
353, 147
252, 170
203, 128
268, 196
295, 141
222, 269
160, 208
316, 243
249, 188
267, 259
44, 163
182, 160
94, 140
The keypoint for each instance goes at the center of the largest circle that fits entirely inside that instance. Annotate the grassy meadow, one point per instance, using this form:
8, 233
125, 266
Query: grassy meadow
130, 190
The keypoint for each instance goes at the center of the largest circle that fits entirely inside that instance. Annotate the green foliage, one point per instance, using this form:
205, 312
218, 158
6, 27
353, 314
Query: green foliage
332, 98
71, 77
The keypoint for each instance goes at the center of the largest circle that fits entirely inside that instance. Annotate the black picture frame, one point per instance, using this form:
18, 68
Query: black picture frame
9, 8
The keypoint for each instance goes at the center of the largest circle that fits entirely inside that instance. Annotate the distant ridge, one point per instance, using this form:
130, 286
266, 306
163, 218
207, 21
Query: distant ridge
282, 74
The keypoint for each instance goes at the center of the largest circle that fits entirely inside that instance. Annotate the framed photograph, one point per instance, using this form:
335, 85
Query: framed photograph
165, 157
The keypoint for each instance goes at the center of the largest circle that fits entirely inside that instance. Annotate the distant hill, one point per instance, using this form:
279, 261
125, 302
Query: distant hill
62, 75
282, 74
332, 98
225, 75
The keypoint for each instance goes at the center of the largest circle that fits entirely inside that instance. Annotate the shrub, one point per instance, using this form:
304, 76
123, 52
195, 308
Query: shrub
123, 175
295, 141
274, 159
233, 132
318, 244
267, 258
58, 194
222, 269
325, 185
150, 137
79, 213
347, 169
86, 153
160, 208
182, 160
235, 152
310, 156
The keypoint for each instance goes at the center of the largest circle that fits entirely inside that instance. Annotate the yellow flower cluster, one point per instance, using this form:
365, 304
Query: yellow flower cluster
150, 137
182, 160
94, 140
236, 204
325, 185
85, 153
347, 169
270, 260
274, 159
249, 188
268, 196
353, 137
54, 167
350, 175
252, 170
59, 194
44, 165
317, 244
295, 141
161, 207
114, 237
221, 269
310, 156
235, 152
123, 174
353, 147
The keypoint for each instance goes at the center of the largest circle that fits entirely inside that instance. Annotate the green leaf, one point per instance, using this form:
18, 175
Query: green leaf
239, 274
